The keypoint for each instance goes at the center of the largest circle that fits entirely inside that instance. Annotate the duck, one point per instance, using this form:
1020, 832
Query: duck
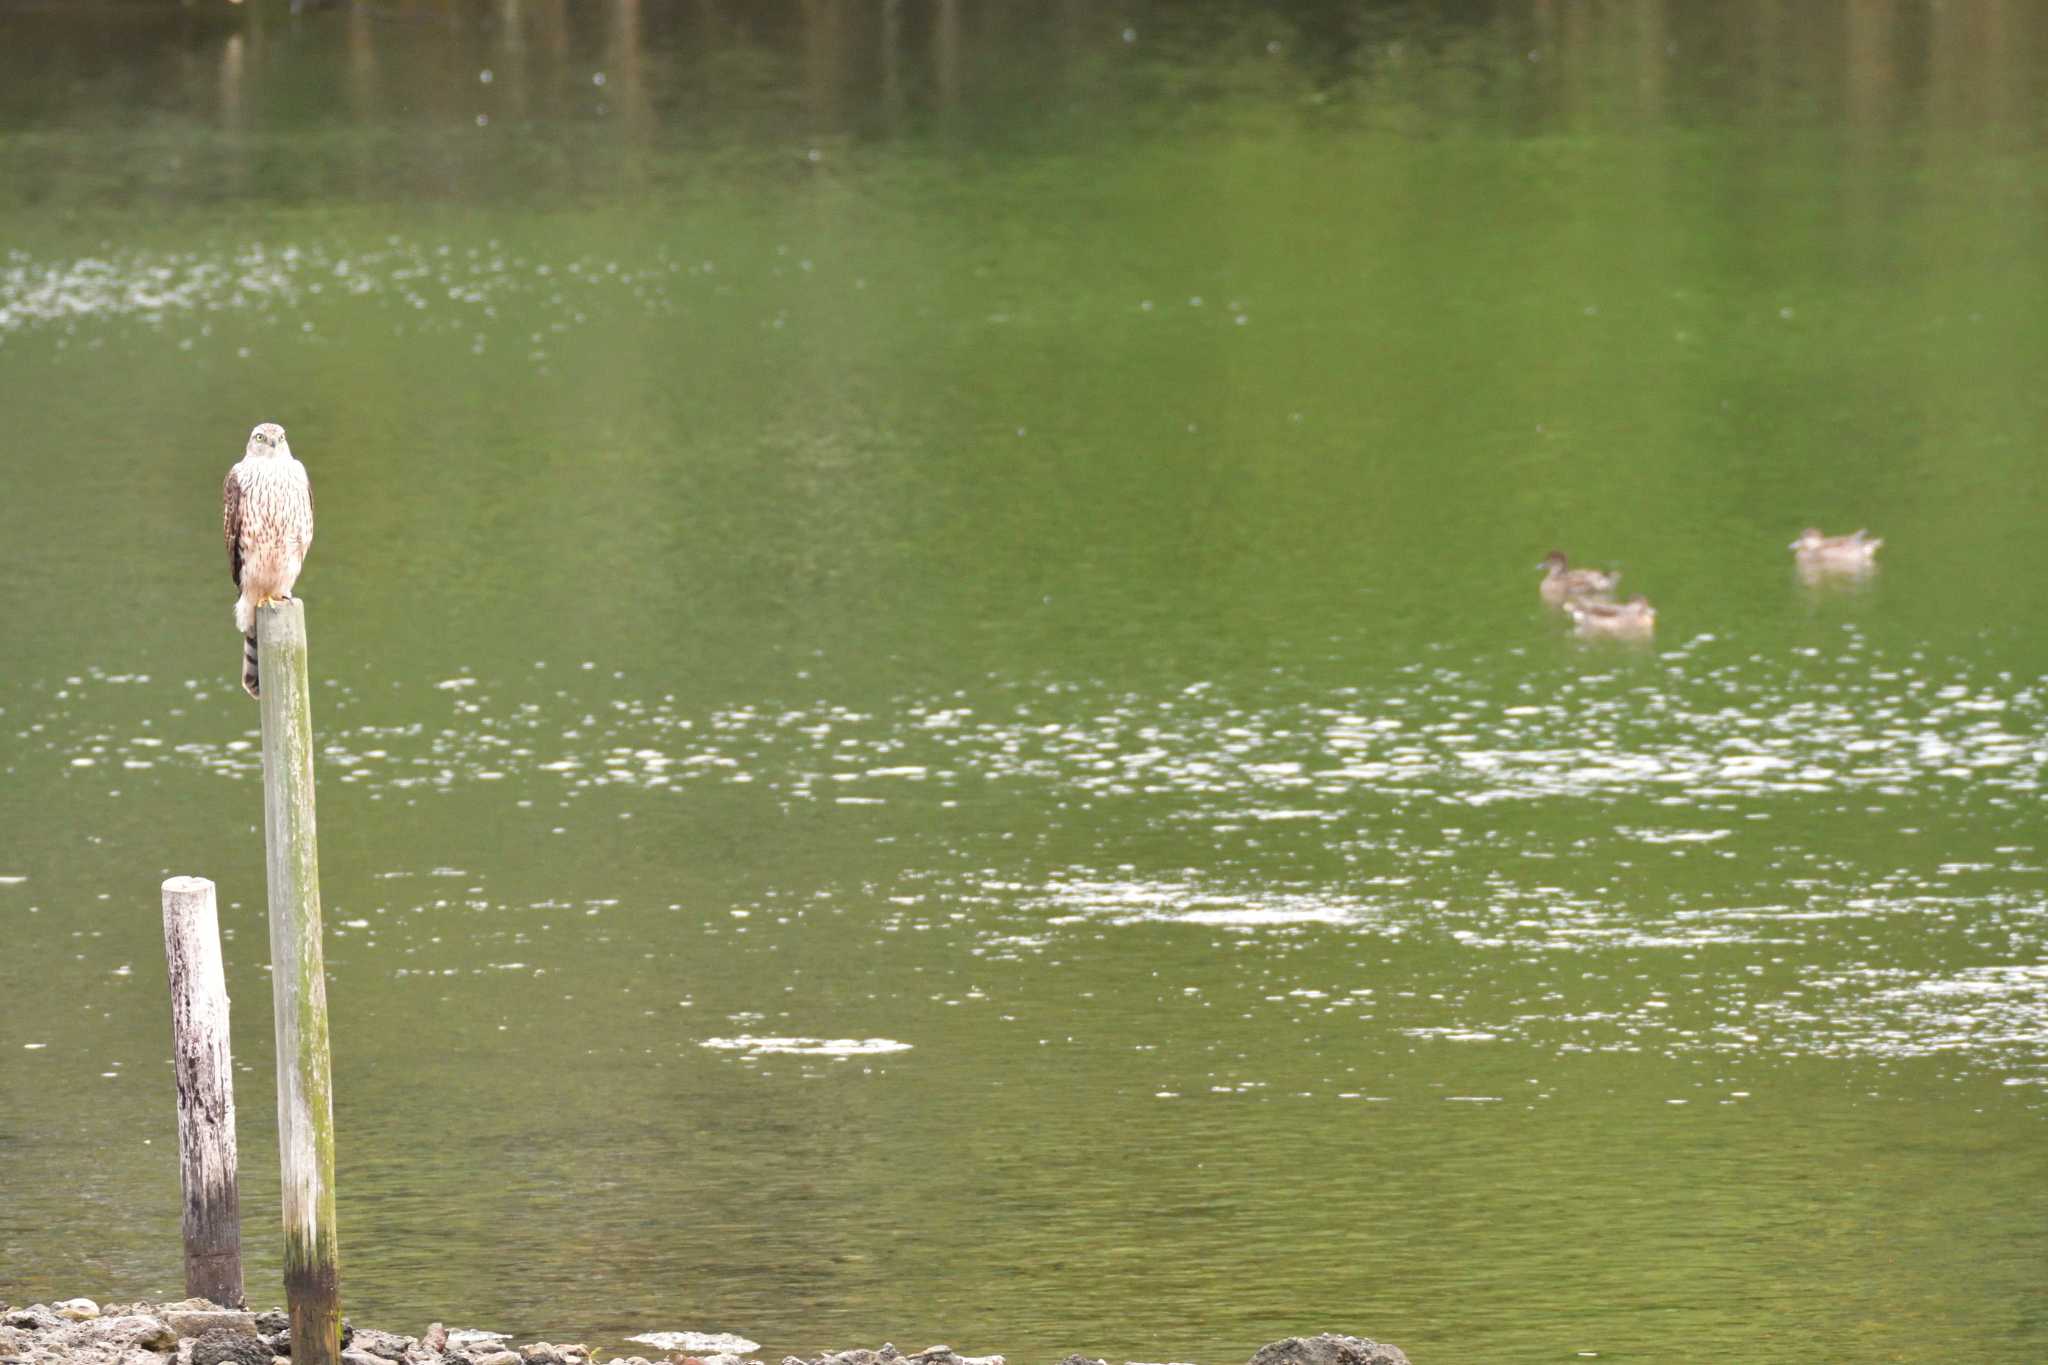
1633, 619
1853, 551
1562, 584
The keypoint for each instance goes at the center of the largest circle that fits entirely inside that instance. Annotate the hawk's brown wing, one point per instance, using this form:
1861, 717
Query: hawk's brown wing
231, 524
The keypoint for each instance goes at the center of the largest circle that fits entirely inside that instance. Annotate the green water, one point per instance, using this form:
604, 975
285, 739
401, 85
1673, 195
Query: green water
935, 723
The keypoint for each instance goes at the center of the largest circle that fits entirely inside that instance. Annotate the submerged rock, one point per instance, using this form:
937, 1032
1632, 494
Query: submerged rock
1329, 1349
946, 1355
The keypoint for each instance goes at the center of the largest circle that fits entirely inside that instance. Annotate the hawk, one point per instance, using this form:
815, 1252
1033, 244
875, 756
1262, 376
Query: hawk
266, 518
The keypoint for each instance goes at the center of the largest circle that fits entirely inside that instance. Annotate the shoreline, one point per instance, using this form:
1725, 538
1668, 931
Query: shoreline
80, 1331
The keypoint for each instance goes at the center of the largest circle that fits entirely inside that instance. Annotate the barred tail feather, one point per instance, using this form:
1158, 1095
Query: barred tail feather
250, 682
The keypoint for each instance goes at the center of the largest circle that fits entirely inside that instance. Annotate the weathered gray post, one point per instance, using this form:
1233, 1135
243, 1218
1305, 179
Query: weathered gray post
298, 986
206, 1092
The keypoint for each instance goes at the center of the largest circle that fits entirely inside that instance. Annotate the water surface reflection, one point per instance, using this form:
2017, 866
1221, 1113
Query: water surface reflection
934, 722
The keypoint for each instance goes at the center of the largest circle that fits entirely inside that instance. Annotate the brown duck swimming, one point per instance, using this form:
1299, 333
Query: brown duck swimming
1563, 584
1635, 618
1853, 551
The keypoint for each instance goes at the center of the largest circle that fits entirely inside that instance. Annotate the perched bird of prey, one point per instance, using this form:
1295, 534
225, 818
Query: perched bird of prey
266, 517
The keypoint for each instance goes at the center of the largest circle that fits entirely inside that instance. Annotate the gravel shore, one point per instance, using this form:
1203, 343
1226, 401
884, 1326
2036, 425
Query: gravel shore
195, 1332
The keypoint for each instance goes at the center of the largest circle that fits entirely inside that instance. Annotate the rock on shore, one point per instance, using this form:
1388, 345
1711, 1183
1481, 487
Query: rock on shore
195, 1332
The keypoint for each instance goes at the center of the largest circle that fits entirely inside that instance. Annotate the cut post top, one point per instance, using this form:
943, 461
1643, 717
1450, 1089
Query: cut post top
286, 619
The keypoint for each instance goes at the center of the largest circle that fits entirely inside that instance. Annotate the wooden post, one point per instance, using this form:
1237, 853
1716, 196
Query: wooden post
206, 1093
298, 986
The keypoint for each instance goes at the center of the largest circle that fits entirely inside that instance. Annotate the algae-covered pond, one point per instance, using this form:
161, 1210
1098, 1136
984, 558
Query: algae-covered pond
934, 718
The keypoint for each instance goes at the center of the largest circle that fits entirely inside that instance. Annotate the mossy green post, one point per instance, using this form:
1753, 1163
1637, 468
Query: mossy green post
298, 986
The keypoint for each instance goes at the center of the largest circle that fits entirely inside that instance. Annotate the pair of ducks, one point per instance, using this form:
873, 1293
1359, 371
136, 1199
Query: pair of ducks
1588, 594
